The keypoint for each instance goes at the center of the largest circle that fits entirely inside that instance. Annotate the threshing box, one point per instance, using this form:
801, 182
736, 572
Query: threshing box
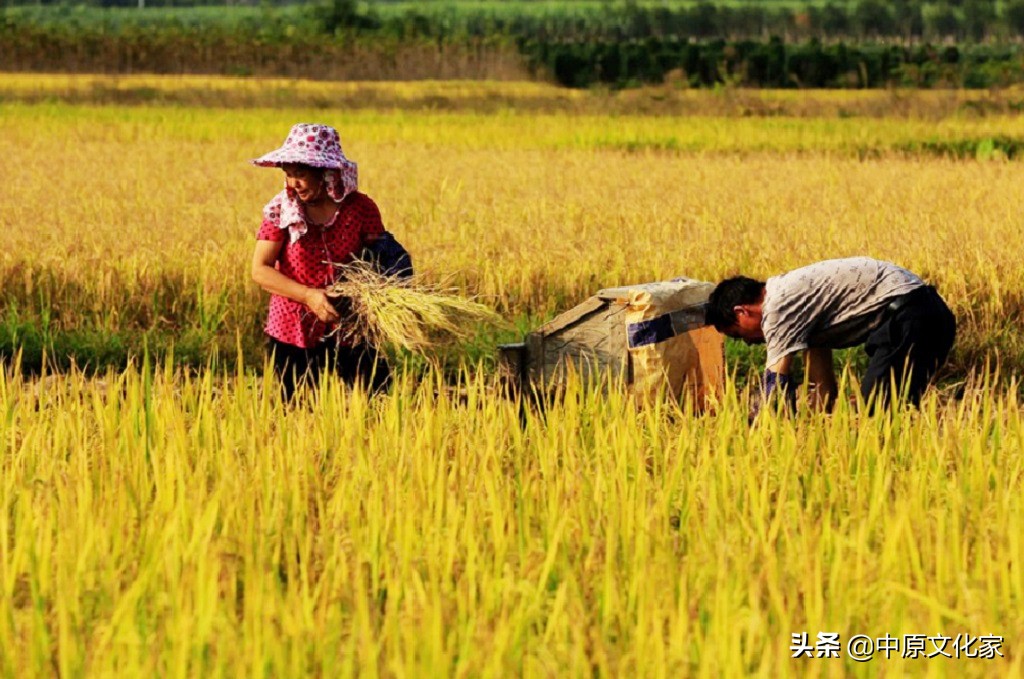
650, 337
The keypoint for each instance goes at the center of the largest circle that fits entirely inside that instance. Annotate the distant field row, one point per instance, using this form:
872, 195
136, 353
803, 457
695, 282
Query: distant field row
508, 130
971, 107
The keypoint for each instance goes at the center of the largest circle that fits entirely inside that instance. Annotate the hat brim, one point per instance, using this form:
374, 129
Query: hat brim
280, 157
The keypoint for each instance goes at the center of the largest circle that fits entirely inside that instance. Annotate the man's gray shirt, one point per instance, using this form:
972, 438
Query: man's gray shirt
831, 304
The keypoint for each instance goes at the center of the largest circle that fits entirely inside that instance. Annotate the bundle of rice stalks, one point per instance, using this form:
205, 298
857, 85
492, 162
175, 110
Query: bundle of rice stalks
402, 312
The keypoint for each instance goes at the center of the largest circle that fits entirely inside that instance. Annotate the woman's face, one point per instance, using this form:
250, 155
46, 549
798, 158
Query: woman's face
307, 182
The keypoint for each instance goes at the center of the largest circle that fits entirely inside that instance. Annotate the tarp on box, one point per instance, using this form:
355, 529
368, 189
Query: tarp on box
669, 346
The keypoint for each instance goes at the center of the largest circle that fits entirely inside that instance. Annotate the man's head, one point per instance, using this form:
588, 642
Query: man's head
734, 308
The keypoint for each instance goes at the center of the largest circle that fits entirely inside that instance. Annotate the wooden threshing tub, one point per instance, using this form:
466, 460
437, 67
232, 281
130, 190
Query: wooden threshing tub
651, 338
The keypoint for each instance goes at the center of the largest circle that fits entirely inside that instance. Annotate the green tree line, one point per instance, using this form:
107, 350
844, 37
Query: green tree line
775, 64
870, 43
974, 20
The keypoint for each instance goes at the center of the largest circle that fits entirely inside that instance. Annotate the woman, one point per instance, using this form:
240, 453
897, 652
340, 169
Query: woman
319, 220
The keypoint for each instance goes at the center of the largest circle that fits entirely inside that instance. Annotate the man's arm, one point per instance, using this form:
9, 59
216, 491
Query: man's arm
822, 378
783, 366
777, 379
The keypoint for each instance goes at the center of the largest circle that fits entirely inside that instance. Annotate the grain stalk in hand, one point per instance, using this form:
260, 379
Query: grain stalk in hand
402, 312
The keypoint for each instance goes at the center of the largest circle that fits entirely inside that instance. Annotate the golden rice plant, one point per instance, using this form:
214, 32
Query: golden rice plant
166, 523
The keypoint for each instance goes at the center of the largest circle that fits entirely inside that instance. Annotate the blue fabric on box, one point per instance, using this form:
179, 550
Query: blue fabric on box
664, 327
651, 331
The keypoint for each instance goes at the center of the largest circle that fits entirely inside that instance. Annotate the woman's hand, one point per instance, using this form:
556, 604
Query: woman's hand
265, 273
320, 304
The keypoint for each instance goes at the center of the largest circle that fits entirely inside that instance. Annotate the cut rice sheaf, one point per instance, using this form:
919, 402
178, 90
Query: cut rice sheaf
403, 312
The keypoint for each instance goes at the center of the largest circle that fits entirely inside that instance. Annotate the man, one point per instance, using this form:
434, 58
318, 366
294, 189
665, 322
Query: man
906, 327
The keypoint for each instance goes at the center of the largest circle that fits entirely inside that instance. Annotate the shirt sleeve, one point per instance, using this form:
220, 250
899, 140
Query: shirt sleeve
370, 223
270, 231
270, 228
786, 331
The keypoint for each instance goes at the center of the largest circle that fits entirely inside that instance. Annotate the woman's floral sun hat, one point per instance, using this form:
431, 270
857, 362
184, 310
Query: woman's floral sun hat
310, 144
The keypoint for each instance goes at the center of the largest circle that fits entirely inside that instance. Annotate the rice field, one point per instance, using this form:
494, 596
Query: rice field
164, 513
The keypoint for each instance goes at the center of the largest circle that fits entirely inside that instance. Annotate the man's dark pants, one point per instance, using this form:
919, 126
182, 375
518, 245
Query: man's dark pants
909, 347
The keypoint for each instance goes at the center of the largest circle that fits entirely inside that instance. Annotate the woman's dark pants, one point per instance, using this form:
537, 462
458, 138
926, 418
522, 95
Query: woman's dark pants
908, 348
296, 366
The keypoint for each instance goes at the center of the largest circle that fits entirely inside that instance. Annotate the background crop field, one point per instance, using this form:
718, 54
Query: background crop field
161, 512
134, 224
